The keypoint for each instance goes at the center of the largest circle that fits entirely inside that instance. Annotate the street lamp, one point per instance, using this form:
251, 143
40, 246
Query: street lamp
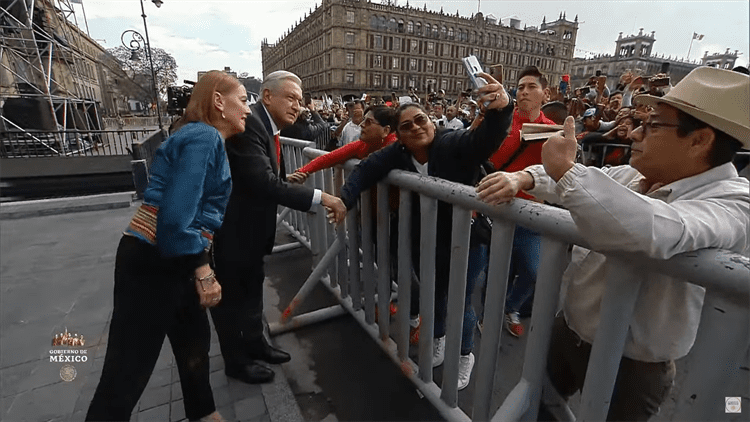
135, 44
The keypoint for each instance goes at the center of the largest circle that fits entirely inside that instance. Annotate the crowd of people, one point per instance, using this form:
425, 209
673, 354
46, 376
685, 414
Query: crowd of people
658, 175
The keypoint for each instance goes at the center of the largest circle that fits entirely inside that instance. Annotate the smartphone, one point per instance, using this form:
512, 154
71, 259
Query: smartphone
497, 72
585, 90
473, 67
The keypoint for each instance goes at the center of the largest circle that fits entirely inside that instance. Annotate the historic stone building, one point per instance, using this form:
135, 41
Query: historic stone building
635, 53
349, 47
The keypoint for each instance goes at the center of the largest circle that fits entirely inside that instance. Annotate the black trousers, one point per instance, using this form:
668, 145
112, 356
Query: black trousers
153, 297
238, 318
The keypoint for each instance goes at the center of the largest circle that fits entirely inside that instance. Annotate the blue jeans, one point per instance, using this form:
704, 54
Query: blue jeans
477, 273
524, 264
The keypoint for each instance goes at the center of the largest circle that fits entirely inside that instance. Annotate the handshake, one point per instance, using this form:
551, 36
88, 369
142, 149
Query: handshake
335, 208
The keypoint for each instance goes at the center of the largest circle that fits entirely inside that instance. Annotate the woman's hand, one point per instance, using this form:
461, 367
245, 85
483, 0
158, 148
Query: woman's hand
208, 288
492, 95
297, 177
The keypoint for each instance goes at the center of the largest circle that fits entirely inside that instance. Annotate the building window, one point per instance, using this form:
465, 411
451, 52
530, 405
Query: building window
394, 81
378, 41
349, 38
350, 58
427, 29
445, 67
378, 61
350, 77
412, 64
419, 29
394, 63
435, 31
444, 31
450, 33
414, 46
410, 27
430, 47
377, 80
430, 66
401, 26
328, 60
444, 84
350, 16
397, 43
392, 24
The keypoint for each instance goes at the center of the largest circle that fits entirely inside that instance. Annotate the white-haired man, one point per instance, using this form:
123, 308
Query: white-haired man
249, 227
680, 193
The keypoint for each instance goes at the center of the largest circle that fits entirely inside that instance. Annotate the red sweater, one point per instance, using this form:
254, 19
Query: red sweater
356, 149
530, 156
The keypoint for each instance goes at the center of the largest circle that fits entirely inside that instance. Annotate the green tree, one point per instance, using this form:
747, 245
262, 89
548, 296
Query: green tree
138, 70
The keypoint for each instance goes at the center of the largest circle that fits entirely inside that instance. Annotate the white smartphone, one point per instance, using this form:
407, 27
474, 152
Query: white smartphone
473, 67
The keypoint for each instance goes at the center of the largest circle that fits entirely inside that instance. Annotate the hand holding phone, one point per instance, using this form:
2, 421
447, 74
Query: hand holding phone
473, 67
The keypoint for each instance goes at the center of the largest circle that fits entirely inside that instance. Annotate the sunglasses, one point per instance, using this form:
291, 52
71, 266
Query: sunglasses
650, 126
420, 120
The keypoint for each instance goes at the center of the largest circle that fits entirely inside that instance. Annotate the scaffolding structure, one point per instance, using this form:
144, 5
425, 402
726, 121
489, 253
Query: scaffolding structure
42, 59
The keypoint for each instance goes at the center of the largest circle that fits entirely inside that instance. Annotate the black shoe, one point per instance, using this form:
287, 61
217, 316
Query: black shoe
253, 373
267, 353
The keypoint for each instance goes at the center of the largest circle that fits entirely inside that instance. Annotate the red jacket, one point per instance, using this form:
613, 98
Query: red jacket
356, 149
531, 155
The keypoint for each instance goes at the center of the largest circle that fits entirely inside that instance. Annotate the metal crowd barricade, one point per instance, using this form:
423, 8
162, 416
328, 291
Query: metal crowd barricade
725, 319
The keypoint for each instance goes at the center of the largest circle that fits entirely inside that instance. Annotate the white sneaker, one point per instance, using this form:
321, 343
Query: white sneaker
438, 351
465, 365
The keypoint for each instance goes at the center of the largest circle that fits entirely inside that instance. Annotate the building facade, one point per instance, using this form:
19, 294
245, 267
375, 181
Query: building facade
635, 53
349, 47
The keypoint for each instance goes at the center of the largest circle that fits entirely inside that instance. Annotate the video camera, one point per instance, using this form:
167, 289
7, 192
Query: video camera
178, 97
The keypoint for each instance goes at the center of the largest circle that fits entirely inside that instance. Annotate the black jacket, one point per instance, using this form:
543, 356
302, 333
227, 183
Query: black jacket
454, 155
258, 187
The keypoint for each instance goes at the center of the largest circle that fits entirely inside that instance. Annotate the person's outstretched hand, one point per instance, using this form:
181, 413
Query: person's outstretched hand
297, 177
335, 208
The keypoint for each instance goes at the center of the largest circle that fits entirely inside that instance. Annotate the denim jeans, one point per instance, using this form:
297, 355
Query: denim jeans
524, 263
477, 273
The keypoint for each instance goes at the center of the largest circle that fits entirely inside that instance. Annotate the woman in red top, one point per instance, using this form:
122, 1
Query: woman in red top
377, 132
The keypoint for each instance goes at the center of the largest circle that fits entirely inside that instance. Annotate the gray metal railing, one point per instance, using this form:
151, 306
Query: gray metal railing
725, 320
70, 143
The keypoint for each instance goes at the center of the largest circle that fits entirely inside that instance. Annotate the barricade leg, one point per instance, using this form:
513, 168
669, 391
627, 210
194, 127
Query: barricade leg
428, 242
606, 351
523, 400
404, 277
456, 300
368, 269
501, 246
384, 266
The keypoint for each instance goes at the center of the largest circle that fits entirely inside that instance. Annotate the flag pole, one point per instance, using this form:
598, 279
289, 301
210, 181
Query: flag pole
691, 47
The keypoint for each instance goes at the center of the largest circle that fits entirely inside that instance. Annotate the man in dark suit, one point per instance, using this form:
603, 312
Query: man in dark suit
249, 227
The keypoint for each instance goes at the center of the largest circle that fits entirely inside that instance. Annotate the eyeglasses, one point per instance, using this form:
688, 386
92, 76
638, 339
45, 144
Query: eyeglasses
649, 126
419, 120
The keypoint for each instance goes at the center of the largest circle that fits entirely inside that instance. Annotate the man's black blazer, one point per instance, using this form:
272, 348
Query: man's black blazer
258, 187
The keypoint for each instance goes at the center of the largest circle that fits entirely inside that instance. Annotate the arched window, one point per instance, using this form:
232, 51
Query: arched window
410, 27
392, 24
419, 28
435, 31
444, 31
450, 33
401, 26
427, 29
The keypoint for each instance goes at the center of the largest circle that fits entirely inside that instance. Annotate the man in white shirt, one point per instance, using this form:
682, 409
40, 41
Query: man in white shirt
680, 193
351, 130
438, 118
452, 120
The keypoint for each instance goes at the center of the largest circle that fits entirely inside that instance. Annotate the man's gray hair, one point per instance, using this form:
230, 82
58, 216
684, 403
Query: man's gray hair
274, 79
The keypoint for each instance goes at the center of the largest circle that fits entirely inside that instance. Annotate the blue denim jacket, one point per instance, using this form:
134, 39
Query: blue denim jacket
190, 185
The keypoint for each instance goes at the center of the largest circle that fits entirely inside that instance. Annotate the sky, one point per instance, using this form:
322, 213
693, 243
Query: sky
213, 34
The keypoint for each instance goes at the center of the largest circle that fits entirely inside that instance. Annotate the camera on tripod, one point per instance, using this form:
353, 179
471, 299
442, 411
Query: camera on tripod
178, 97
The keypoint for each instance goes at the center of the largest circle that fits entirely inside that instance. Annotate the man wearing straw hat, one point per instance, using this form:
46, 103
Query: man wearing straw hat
680, 193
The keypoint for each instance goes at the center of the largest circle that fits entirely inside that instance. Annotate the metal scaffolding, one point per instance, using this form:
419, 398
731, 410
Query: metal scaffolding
42, 59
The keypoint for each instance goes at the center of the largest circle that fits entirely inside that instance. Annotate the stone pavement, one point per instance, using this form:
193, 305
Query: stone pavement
56, 273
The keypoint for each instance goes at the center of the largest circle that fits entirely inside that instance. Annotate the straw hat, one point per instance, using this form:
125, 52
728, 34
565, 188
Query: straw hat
720, 98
